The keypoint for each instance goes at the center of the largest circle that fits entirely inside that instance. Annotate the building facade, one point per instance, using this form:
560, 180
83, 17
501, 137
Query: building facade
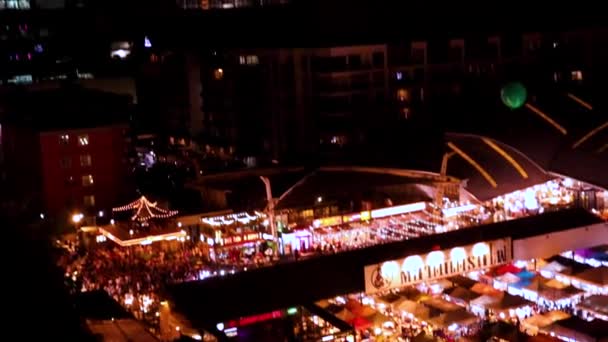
84, 170
329, 102
76, 160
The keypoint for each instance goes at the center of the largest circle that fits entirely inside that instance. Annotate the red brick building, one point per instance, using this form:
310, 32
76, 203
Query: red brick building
83, 169
68, 150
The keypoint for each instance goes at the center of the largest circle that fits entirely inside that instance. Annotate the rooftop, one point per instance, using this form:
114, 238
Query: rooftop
557, 130
314, 279
596, 329
502, 169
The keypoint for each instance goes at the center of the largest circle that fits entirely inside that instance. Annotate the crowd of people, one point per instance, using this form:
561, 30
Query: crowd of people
133, 276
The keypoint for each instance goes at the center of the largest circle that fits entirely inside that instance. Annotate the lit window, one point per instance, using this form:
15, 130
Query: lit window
577, 75
556, 76
89, 201
218, 74
83, 140
14, 4
64, 139
85, 160
120, 50
87, 180
253, 60
65, 162
403, 95
338, 140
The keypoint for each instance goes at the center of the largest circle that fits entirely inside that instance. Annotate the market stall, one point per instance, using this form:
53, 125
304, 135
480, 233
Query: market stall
594, 307
456, 323
547, 293
533, 325
461, 295
299, 240
579, 330
594, 280
486, 290
506, 306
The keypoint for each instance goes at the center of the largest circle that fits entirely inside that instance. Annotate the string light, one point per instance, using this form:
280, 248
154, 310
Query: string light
243, 218
145, 210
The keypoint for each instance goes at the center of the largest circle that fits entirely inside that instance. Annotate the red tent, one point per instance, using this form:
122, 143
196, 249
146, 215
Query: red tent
360, 323
509, 268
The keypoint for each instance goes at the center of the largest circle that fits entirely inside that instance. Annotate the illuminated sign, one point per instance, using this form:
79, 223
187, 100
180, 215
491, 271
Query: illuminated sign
436, 264
366, 215
243, 238
351, 218
327, 221
400, 209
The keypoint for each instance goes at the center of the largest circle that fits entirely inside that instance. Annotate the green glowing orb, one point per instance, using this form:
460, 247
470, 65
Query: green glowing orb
513, 95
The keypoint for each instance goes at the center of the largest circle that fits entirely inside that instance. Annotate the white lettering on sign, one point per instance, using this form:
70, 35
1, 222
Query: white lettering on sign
437, 264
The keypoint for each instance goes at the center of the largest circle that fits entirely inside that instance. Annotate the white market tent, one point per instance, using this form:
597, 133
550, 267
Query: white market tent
594, 280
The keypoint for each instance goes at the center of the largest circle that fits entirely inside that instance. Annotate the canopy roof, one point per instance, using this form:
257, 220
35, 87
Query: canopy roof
145, 210
595, 303
463, 294
598, 276
461, 317
554, 266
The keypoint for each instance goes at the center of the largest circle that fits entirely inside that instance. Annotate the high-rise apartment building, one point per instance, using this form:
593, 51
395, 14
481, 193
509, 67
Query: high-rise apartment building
287, 102
271, 101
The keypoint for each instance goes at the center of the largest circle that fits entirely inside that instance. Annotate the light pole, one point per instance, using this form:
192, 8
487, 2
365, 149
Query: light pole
270, 209
76, 219
444, 179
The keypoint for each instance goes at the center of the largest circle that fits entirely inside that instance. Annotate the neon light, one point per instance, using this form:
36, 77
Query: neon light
292, 311
249, 320
401, 209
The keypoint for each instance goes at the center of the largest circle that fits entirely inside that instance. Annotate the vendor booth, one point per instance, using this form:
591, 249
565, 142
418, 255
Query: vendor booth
593, 280
594, 307
504, 307
533, 325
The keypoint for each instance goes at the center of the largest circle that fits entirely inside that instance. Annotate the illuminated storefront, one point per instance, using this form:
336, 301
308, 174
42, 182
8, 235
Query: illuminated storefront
436, 264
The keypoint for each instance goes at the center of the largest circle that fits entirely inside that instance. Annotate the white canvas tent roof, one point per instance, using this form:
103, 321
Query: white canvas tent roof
508, 278
598, 276
554, 266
